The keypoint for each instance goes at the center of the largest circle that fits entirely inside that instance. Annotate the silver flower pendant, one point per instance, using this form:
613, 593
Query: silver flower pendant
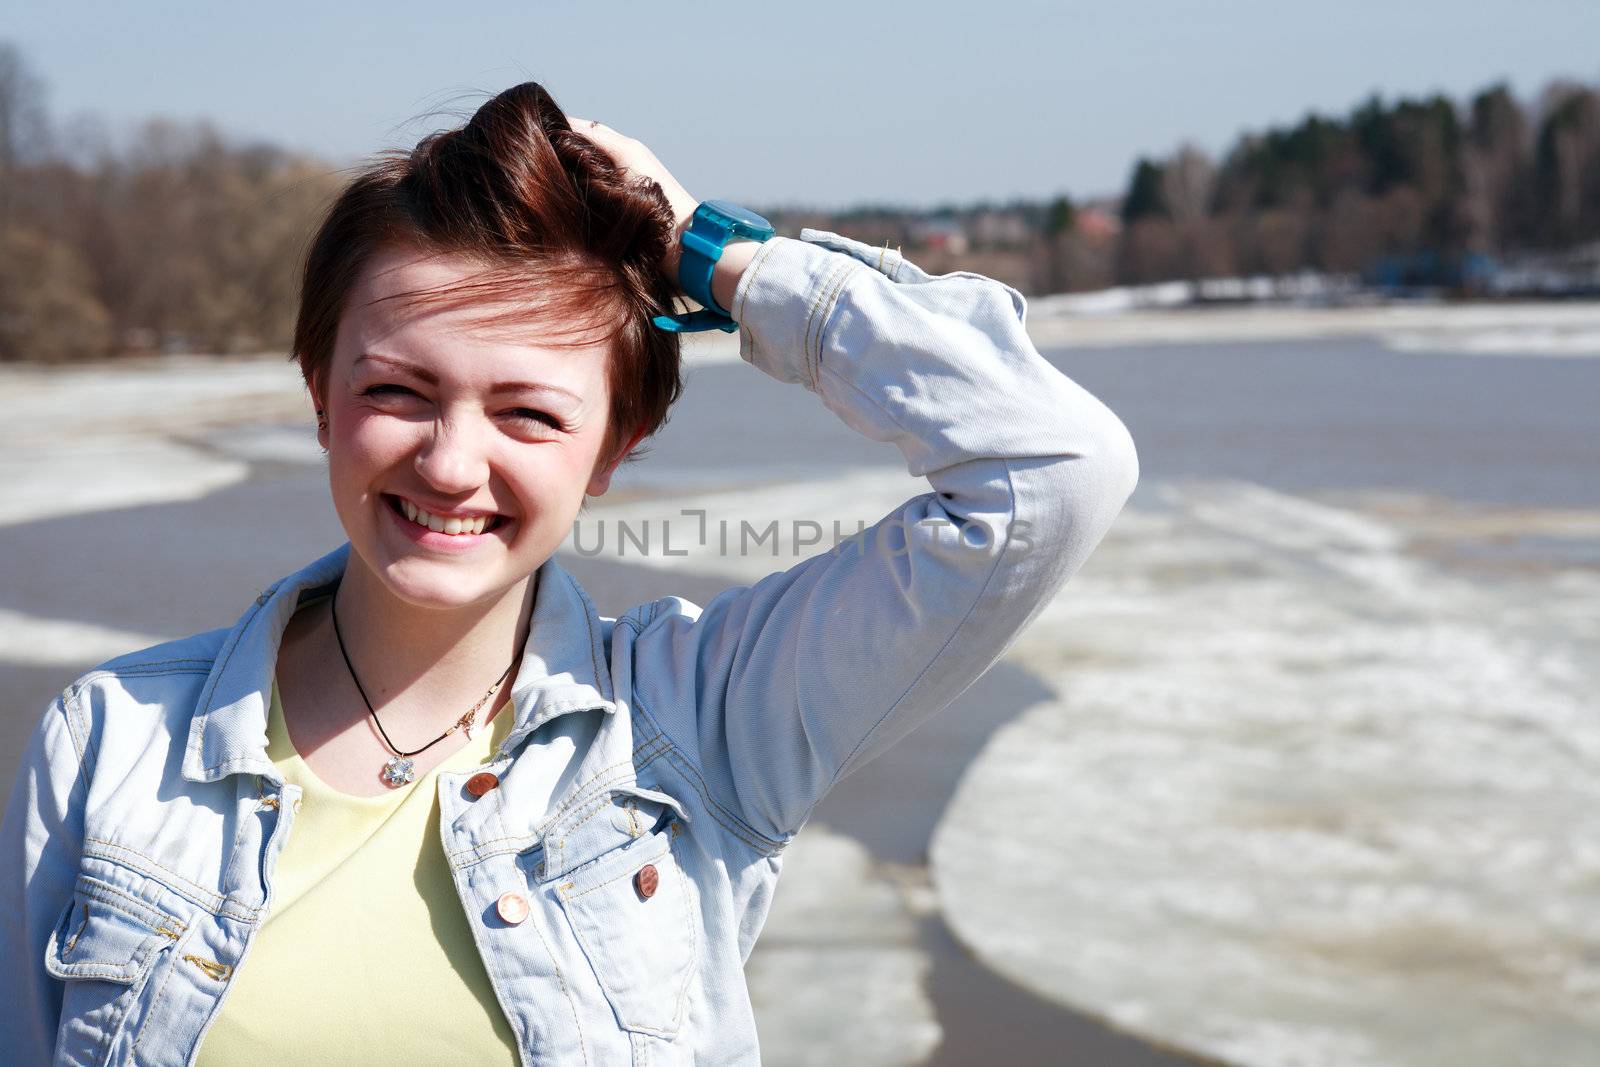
398, 771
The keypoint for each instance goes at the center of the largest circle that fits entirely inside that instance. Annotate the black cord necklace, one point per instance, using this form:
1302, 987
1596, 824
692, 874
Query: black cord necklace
400, 769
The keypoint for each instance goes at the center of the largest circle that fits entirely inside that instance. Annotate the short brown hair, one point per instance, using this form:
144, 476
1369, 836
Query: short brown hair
558, 226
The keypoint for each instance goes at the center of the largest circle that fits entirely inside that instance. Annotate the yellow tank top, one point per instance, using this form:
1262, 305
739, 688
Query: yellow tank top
366, 956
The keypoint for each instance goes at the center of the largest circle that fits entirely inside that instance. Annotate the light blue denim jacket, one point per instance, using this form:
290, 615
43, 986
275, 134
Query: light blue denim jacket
137, 853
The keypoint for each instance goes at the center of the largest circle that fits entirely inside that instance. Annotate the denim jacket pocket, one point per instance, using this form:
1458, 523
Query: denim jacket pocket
632, 912
105, 946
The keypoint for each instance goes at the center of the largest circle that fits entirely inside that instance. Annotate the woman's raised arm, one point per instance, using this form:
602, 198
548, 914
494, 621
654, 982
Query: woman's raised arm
778, 689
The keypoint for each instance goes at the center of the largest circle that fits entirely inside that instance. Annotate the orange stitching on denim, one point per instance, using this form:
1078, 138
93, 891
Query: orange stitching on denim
685, 890
154, 863
673, 868
822, 296
737, 827
727, 819
477, 851
602, 801
581, 793
538, 928
609, 881
103, 892
144, 1026
605, 802
816, 302
223, 906
826, 313
580, 796
811, 310
758, 261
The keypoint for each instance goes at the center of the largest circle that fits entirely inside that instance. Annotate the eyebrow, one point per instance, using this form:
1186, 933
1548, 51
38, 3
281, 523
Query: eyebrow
431, 378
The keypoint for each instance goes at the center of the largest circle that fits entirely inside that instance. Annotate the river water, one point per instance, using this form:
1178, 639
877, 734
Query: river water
1302, 768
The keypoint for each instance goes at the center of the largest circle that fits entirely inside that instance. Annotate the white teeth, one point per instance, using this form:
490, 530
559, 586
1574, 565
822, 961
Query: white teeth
455, 526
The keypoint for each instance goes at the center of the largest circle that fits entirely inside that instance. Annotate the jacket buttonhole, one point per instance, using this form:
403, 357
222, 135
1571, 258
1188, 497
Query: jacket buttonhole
72, 942
220, 971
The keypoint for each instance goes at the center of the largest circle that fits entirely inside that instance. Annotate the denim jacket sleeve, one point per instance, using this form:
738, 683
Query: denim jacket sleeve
41, 840
781, 688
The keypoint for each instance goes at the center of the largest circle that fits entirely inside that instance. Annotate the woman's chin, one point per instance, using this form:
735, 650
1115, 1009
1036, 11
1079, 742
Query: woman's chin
439, 588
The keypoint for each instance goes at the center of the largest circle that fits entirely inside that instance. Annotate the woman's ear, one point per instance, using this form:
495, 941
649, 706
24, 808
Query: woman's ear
601, 479
319, 401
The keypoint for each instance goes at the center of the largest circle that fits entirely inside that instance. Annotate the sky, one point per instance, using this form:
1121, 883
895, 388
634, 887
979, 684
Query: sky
823, 104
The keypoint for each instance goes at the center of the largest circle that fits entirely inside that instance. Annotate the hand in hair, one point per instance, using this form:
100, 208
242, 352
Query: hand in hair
637, 159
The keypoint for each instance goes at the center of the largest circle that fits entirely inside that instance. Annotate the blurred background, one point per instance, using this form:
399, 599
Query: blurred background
1301, 769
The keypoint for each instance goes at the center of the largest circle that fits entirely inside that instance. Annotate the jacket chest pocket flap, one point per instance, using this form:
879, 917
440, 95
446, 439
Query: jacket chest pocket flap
628, 903
104, 946
108, 934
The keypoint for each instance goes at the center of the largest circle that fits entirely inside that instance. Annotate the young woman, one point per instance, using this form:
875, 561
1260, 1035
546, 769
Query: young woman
421, 803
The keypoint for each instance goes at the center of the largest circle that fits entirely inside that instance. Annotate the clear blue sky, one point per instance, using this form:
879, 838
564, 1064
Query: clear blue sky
823, 102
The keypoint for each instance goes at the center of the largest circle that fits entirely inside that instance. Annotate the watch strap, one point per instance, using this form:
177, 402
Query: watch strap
713, 224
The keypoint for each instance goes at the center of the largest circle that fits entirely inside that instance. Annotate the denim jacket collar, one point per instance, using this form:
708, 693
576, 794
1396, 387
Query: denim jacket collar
563, 669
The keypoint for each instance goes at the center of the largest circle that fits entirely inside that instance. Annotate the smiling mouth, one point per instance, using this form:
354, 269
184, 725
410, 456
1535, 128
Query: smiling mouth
455, 527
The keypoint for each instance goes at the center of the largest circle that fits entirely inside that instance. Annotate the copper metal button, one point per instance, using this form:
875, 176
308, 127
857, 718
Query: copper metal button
647, 880
512, 907
481, 783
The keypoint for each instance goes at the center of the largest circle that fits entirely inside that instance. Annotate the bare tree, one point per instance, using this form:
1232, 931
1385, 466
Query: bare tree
1187, 182
23, 131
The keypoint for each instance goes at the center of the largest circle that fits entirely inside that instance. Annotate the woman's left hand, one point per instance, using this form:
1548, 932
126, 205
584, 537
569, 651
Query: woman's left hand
636, 158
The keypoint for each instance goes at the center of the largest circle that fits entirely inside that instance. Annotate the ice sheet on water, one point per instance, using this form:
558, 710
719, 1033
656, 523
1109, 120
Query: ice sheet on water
44, 480
838, 974
1305, 796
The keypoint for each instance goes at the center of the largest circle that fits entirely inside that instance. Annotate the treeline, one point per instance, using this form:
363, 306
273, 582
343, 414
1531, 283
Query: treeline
1389, 181
177, 238
173, 239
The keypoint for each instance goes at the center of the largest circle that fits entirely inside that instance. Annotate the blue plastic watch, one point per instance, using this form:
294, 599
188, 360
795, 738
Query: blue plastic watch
714, 224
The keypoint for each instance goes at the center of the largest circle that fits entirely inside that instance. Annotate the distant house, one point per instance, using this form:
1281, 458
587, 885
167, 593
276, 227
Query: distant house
1097, 225
1000, 229
945, 235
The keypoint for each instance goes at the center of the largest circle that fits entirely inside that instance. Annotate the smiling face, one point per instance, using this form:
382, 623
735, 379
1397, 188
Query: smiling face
459, 452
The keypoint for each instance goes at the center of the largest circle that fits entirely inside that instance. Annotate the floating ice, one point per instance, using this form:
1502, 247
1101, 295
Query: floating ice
1305, 797
838, 975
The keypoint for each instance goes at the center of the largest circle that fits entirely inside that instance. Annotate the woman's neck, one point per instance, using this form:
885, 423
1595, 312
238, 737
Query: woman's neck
433, 657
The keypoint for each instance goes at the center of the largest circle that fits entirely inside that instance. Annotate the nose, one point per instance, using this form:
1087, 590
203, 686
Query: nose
453, 460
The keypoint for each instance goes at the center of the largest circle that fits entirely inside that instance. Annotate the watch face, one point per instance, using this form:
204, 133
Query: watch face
734, 215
